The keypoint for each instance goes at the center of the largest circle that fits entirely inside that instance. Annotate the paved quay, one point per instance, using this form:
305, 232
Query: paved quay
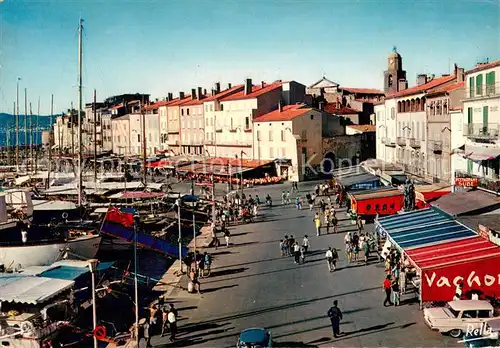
252, 286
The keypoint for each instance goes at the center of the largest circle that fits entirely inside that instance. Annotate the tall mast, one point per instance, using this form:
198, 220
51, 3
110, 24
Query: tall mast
35, 142
26, 126
51, 136
95, 137
72, 119
17, 124
144, 177
30, 146
80, 181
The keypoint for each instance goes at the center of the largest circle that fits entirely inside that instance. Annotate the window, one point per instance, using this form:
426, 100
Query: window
393, 113
211, 107
271, 154
368, 207
483, 314
391, 206
469, 314
490, 83
469, 115
445, 107
479, 84
258, 136
270, 135
389, 81
377, 207
485, 119
222, 107
187, 112
384, 207
231, 125
303, 134
247, 122
206, 108
283, 135
471, 87
182, 112
283, 152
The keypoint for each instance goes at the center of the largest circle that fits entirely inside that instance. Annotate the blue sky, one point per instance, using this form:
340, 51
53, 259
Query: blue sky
166, 46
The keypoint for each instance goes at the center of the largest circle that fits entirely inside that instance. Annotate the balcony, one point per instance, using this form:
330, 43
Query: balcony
436, 146
492, 182
488, 131
172, 142
388, 142
401, 141
483, 92
414, 143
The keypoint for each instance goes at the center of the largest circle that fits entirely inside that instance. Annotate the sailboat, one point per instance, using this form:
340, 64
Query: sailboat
43, 244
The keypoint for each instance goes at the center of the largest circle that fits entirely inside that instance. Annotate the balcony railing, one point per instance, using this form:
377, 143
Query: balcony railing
484, 91
436, 146
415, 143
401, 141
388, 141
492, 182
481, 130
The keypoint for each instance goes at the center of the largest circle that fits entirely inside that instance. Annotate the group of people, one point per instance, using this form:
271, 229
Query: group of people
392, 283
355, 244
162, 318
291, 247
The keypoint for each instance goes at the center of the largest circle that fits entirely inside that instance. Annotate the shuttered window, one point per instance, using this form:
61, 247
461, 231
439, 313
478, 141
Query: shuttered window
479, 85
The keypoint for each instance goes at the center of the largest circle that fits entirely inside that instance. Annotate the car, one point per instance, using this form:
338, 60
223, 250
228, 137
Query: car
459, 317
255, 338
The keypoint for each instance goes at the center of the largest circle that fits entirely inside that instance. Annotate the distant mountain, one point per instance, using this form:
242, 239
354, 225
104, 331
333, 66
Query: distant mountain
8, 125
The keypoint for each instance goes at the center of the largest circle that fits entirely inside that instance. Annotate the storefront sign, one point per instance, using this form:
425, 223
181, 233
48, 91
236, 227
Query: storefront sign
467, 182
439, 284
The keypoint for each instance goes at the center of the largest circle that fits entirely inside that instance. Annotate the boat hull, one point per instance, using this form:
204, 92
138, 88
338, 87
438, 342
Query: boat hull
84, 247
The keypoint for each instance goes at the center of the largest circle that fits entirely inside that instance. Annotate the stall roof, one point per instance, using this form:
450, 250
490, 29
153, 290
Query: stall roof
64, 272
355, 179
467, 202
423, 227
349, 171
492, 221
32, 290
381, 193
460, 251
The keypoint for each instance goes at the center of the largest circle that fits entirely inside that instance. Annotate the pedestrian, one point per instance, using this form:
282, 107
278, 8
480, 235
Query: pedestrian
303, 254
214, 235
305, 243
297, 203
226, 237
296, 252
172, 321
285, 246
283, 198
359, 223
395, 292
317, 223
208, 262
387, 286
310, 200
291, 243
165, 326
458, 292
366, 250
329, 258
335, 257
282, 248
335, 315
335, 222
288, 201
147, 327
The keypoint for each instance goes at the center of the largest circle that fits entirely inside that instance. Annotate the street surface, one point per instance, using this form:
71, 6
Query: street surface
252, 286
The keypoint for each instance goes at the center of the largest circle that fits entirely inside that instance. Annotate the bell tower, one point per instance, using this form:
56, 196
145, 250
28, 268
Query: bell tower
394, 76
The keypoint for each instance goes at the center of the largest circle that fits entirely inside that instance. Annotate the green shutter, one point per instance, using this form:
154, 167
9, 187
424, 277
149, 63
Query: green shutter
479, 84
469, 115
469, 166
485, 116
490, 83
471, 87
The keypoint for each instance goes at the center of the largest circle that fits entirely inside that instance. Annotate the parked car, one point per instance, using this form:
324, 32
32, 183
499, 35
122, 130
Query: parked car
458, 317
255, 338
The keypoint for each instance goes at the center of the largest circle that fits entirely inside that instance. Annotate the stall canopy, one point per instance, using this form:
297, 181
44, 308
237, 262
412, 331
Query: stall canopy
360, 180
472, 261
422, 227
468, 202
31, 290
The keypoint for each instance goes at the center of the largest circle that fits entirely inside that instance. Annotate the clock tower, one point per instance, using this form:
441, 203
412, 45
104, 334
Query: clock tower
394, 76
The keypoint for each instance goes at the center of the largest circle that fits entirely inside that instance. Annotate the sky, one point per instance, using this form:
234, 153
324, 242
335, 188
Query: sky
163, 46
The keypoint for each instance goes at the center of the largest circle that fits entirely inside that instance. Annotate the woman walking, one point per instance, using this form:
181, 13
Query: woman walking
226, 237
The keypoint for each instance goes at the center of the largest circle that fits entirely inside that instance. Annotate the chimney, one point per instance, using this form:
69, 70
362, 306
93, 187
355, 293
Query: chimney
170, 97
459, 74
199, 92
193, 93
248, 86
213, 92
181, 95
421, 79
217, 87
262, 84
205, 91
229, 86
402, 85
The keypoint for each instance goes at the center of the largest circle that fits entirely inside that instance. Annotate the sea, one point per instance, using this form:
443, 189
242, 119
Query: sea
8, 128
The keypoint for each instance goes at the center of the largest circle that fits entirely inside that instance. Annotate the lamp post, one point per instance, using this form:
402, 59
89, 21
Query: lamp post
93, 267
178, 203
241, 168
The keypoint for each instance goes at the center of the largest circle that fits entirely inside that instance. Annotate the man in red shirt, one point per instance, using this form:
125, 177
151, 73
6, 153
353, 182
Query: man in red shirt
387, 288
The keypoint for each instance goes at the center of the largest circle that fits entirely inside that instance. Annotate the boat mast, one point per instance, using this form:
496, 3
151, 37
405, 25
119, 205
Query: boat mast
51, 138
35, 150
144, 173
95, 138
30, 146
80, 181
26, 127
17, 124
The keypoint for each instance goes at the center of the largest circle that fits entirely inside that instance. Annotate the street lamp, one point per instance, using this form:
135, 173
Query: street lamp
178, 203
93, 267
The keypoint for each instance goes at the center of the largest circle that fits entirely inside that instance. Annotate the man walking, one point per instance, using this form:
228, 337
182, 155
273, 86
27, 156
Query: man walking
317, 223
296, 252
335, 315
387, 288
305, 243
329, 258
172, 321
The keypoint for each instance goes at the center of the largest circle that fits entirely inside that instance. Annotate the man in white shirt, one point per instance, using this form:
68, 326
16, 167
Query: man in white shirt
296, 252
172, 321
305, 243
329, 258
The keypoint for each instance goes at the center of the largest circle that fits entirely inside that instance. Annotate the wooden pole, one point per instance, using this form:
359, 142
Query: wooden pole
26, 127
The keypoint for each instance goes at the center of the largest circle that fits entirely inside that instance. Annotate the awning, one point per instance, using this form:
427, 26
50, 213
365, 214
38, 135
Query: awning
467, 202
422, 227
356, 179
32, 290
481, 153
376, 193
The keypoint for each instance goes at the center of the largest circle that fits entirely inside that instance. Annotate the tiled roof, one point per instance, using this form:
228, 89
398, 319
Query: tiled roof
116, 107
362, 90
422, 88
484, 67
154, 106
365, 128
195, 101
287, 113
446, 89
224, 93
330, 108
177, 101
256, 92
457, 108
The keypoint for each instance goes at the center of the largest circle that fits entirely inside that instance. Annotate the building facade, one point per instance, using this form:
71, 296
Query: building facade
192, 124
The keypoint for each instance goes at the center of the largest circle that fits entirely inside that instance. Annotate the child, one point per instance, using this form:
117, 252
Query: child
282, 248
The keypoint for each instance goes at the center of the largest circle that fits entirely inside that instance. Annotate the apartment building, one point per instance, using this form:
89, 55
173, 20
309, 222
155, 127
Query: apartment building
192, 130
481, 127
169, 114
386, 126
291, 132
121, 135
66, 134
228, 120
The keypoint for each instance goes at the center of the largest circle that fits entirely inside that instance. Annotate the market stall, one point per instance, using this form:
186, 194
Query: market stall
382, 201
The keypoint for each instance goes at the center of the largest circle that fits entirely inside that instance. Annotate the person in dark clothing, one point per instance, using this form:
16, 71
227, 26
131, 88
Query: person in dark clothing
387, 285
148, 331
335, 315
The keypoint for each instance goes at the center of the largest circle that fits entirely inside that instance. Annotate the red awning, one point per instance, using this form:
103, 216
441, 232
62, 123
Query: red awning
481, 153
471, 261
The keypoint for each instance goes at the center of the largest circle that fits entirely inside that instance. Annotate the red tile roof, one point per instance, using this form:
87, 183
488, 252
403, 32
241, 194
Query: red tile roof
422, 88
256, 92
177, 101
362, 90
446, 89
116, 107
287, 113
330, 108
365, 128
195, 101
484, 67
225, 93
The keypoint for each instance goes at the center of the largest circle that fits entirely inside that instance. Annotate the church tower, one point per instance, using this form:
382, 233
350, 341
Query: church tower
394, 76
